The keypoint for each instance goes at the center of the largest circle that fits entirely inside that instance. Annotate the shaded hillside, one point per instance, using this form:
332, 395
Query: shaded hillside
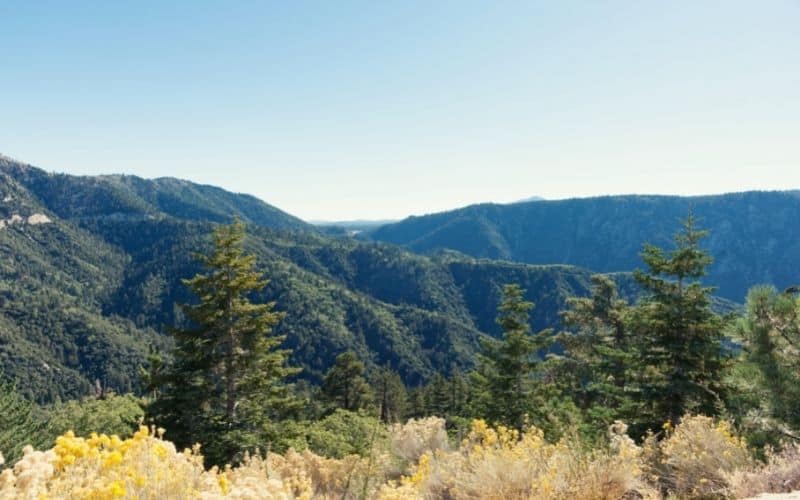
54, 278
418, 314
755, 236
84, 295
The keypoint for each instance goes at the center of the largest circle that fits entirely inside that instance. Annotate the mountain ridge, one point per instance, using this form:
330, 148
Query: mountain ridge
606, 233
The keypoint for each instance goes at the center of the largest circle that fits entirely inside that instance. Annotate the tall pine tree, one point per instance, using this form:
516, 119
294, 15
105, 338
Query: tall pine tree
599, 352
508, 373
226, 385
681, 353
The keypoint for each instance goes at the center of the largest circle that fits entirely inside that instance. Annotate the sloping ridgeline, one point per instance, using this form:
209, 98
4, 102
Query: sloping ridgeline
83, 296
755, 236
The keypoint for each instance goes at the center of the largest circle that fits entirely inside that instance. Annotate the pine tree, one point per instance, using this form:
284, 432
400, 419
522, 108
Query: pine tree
599, 352
345, 386
390, 395
20, 424
226, 383
509, 368
770, 331
438, 398
681, 354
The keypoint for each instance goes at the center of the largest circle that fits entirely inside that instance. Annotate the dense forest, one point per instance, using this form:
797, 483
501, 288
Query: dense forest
139, 318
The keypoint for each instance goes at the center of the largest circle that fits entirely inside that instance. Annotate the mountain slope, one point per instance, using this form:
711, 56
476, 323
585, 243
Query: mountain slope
755, 236
131, 197
54, 278
84, 295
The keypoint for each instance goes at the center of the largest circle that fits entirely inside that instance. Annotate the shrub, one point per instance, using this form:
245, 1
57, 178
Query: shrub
344, 433
417, 437
696, 458
779, 474
113, 414
499, 463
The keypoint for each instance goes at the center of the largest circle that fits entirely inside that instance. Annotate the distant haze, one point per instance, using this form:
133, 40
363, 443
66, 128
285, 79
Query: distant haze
346, 110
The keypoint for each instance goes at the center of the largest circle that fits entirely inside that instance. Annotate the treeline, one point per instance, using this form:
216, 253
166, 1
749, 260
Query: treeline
228, 384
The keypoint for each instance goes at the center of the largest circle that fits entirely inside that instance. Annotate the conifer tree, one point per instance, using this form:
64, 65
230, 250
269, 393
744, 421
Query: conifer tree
770, 331
438, 398
509, 367
460, 393
390, 395
681, 353
345, 386
227, 380
599, 353
19, 424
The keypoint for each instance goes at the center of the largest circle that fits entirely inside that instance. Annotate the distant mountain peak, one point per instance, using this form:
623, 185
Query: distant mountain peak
529, 199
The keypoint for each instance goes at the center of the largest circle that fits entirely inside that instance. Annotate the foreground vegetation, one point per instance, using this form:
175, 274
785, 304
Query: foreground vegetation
700, 458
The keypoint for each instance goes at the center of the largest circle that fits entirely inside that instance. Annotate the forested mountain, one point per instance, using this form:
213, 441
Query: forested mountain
130, 197
755, 236
90, 273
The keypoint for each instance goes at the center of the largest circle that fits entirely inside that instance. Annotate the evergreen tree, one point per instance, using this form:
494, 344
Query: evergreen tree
390, 395
438, 398
599, 352
681, 354
459, 392
509, 368
416, 403
20, 424
226, 384
770, 331
345, 386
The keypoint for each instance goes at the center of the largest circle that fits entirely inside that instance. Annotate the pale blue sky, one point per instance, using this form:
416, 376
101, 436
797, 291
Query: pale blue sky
340, 110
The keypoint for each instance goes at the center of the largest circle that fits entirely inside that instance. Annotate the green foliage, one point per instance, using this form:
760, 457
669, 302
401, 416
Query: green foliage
391, 396
767, 379
86, 295
509, 374
111, 414
345, 433
599, 354
21, 424
680, 352
345, 386
227, 378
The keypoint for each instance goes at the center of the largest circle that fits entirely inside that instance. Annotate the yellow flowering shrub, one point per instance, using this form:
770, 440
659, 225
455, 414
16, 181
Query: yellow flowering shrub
499, 463
701, 458
149, 467
695, 459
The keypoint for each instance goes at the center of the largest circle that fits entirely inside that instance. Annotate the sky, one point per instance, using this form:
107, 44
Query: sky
379, 110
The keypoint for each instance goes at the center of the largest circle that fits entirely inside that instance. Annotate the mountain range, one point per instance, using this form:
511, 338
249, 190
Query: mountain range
91, 270
754, 236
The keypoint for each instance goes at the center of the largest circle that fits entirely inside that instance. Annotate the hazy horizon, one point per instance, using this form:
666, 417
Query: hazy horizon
375, 111
319, 221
